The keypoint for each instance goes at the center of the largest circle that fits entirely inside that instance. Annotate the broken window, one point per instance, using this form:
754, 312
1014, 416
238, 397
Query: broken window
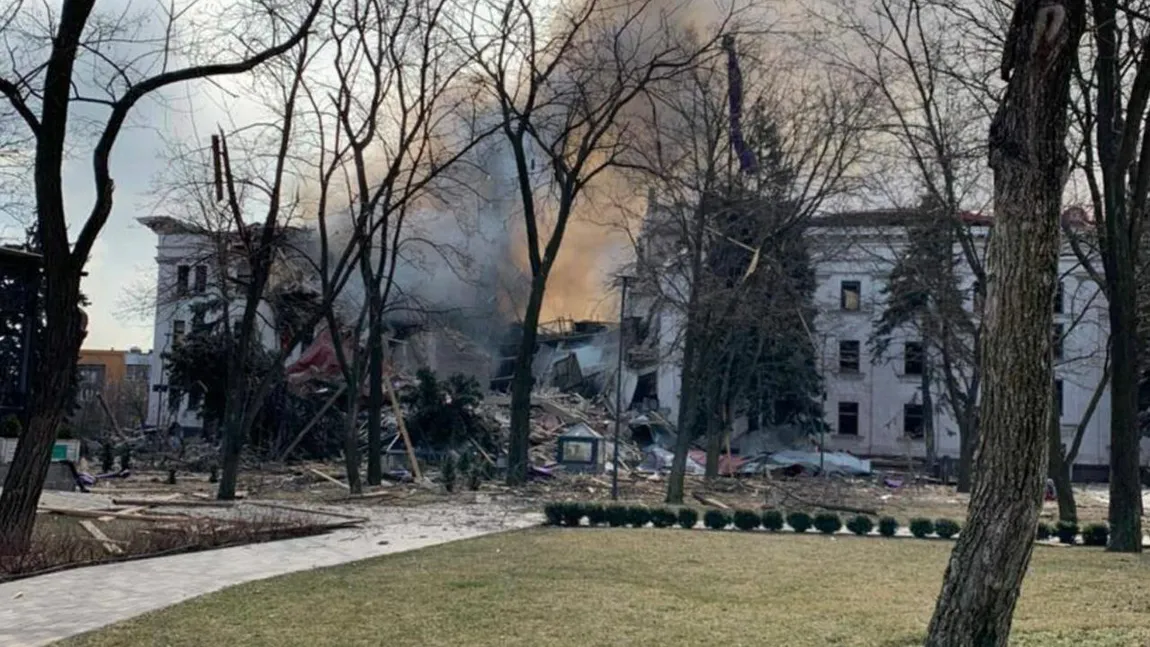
182, 274
850, 295
849, 418
201, 279
1058, 296
1058, 398
912, 420
1056, 340
849, 350
914, 358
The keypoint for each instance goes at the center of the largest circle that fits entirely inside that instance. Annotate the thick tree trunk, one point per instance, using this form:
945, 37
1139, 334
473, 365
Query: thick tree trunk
58, 350
522, 381
1028, 155
1125, 484
233, 443
967, 441
375, 392
714, 443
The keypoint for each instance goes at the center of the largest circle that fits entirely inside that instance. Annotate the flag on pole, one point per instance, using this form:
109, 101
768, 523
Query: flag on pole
747, 162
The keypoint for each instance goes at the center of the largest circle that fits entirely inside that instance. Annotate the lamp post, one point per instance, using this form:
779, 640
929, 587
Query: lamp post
619, 393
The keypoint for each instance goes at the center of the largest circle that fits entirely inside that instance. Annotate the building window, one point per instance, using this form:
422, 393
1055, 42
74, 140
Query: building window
1058, 296
850, 295
137, 372
201, 279
178, 329
849, 418
913, 358
183, 272
849, 351
90, 380
1058, 398
912, 420
1056, 340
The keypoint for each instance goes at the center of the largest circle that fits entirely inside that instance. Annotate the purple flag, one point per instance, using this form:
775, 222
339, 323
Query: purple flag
747, 162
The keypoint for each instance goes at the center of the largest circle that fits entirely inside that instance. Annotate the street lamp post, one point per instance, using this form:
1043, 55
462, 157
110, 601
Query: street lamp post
619, 393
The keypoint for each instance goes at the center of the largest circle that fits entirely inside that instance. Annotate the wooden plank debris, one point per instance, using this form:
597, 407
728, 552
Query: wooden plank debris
146, 503
106, 541
100, 514
710, 501
327, 477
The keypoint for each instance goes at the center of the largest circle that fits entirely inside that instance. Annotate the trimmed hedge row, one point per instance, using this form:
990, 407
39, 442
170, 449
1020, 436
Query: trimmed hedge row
572, 513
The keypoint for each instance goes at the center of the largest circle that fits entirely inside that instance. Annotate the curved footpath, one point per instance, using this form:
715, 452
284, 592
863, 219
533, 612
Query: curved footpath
40, 610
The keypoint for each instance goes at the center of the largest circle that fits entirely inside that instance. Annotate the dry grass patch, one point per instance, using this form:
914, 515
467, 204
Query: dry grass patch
555, 587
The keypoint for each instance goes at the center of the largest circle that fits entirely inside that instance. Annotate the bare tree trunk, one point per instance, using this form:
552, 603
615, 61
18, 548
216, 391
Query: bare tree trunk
522, 381
1030, 162
351, 437
688, 406
1059, 472
714, 441
375, 391
58, 348
1125, 482
928, 417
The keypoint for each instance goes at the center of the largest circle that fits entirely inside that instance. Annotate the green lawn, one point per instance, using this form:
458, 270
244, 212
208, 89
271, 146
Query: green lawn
547, 587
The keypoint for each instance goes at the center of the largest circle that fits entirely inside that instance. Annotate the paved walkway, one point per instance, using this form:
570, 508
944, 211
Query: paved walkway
41, 610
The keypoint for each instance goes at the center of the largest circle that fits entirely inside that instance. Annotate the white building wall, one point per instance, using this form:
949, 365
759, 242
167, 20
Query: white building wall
880, 387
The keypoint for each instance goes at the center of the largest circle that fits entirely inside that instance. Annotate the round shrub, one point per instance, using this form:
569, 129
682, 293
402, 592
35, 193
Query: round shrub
921, 528
716, 519
799, 521
1067, 532
828, 523
572, 514
1096, 534
596, 514
946, 528
617, 516
888, 526
1044, 531
688, 517
860, 525
638, 516
773, 520
554, 513
662, 518
746, 519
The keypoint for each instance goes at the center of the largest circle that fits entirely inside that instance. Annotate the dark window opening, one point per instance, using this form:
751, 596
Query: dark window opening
1058, 297
913, 421
849, 418
178, 330
850, 295
914, 358
1056, 340
1058, 398
849, 351
182, 274
201, 279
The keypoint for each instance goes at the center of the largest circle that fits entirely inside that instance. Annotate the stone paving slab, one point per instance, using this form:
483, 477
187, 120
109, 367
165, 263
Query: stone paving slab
41, 610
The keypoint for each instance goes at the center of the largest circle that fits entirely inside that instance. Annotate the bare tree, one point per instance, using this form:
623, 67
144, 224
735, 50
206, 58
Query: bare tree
562, 89
1030, 162
721, 250
1113, 88
38, 83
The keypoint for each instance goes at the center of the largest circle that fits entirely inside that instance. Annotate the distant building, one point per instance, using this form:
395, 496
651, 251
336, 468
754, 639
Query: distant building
873, 406
121, 377
196, 267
